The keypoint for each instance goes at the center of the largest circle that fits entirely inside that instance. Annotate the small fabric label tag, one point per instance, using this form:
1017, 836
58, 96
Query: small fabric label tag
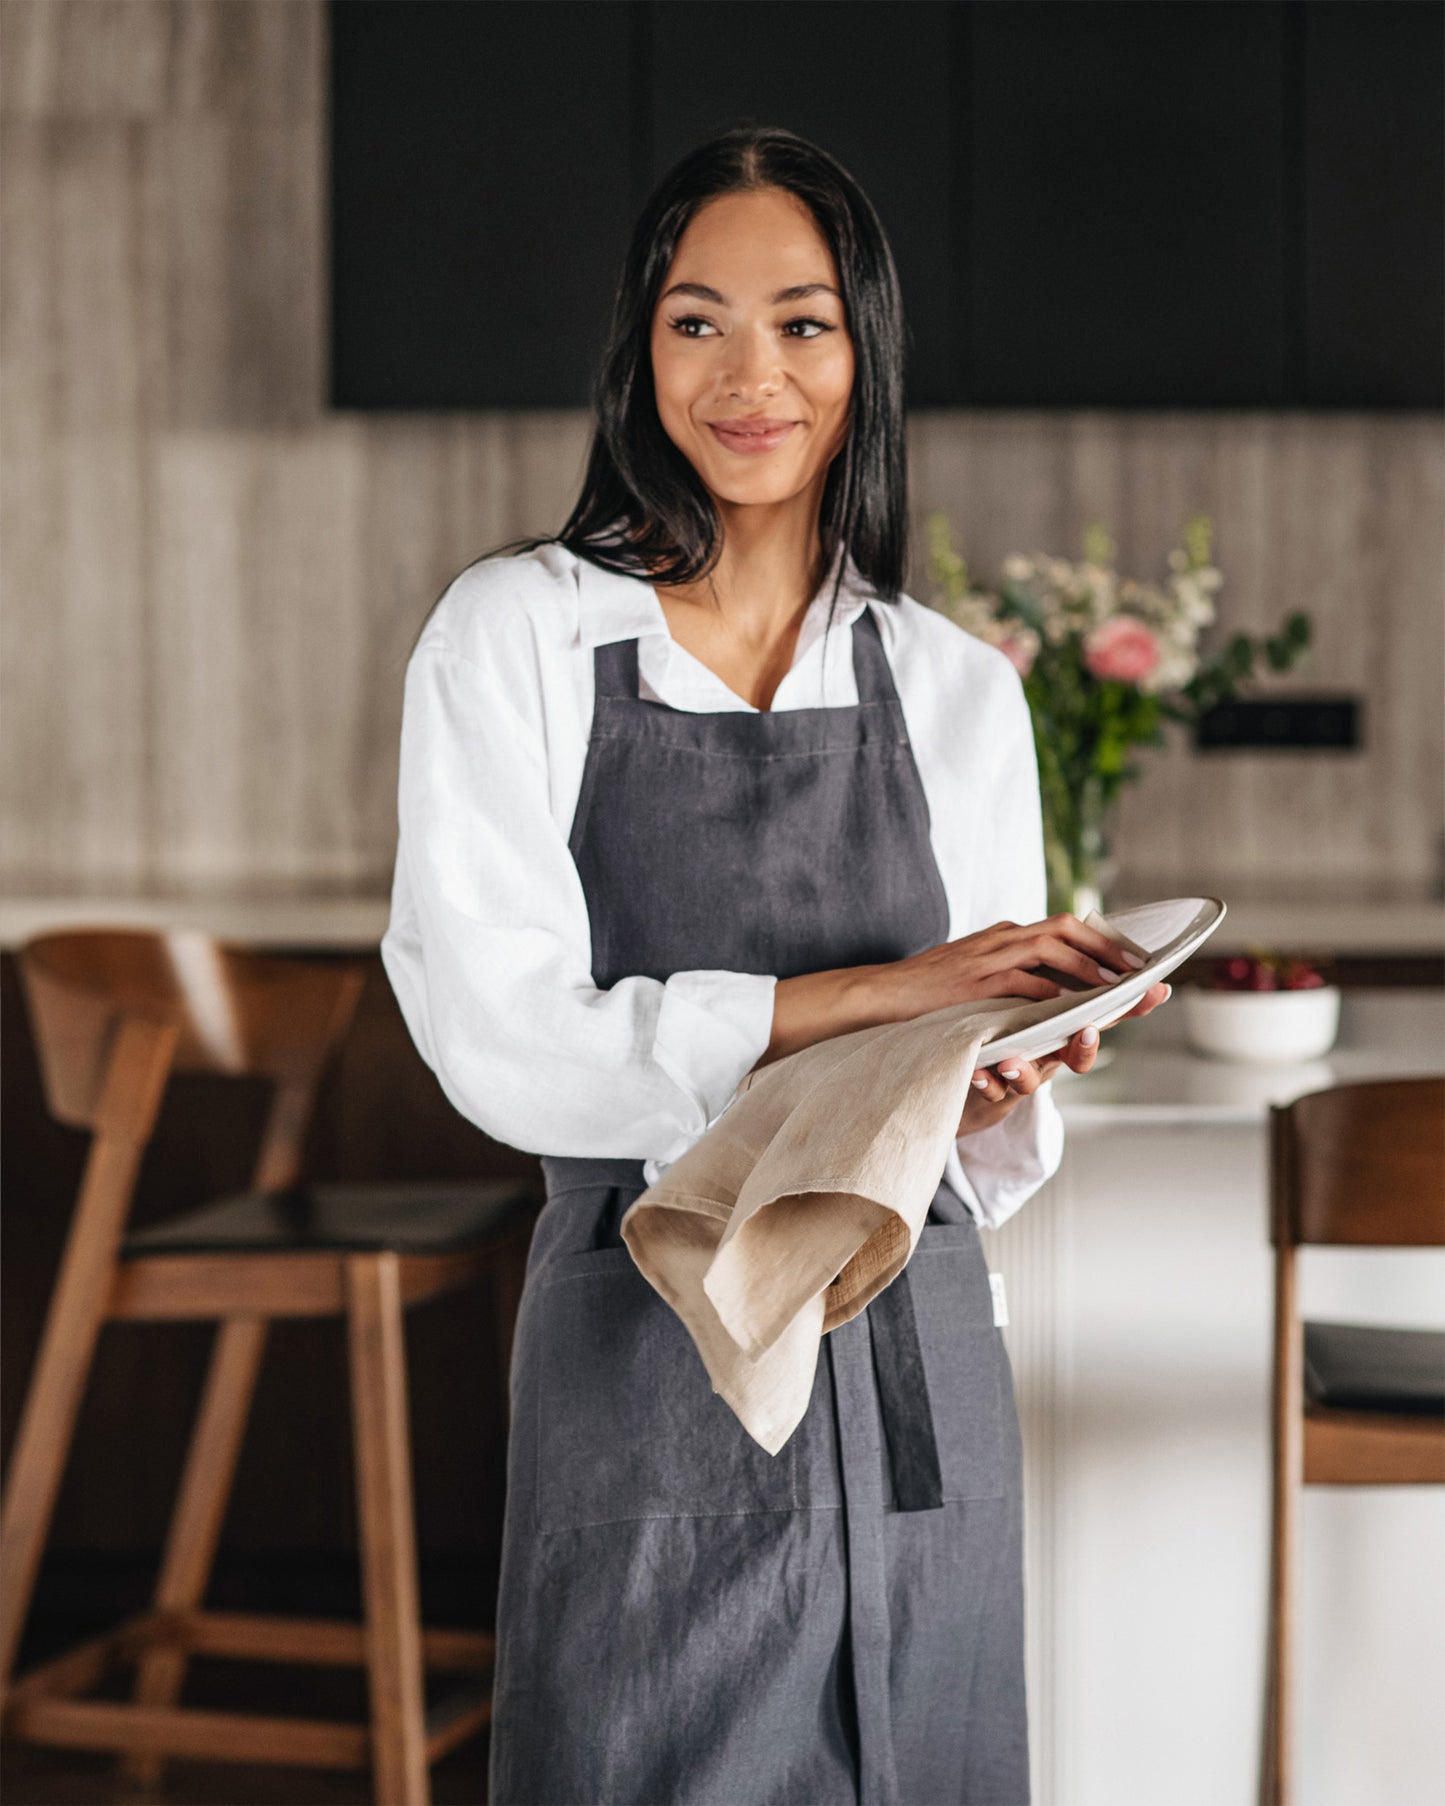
1000, 1301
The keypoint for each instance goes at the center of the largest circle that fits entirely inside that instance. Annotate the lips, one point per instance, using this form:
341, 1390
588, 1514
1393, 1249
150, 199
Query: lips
755, 435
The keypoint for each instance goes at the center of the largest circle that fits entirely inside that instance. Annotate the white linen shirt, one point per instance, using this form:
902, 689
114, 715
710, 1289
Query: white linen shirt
488, 947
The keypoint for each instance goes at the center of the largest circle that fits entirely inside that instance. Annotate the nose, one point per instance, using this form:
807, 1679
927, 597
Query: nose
752, 367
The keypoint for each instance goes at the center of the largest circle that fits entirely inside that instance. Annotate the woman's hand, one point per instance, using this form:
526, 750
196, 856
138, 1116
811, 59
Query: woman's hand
999, 962
994, 1091
995, 962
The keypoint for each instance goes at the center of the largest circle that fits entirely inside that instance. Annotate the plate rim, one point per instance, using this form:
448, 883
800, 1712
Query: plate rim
1045, 1034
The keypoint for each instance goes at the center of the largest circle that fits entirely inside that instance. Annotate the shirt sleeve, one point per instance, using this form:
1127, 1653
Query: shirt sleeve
488, 948
998, 1169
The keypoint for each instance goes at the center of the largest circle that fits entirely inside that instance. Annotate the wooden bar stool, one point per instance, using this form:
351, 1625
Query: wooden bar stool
1354, 1405
114, 1013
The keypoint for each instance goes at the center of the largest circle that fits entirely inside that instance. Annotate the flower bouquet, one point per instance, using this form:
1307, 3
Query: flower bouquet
1105, 661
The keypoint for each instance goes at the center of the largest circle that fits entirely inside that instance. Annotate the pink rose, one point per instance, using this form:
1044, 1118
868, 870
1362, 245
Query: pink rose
1121, 648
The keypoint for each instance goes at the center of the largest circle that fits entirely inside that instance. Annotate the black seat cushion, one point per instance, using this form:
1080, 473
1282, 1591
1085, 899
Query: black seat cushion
1358, 1367
428, 1217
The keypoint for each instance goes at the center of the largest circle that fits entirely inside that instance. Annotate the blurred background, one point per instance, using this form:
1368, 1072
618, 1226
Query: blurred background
298, 312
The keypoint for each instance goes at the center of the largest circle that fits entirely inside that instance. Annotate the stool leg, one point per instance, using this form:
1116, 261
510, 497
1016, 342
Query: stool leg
388, 1536
200, 1510
1278, 1788
1287, 1439
57, 1385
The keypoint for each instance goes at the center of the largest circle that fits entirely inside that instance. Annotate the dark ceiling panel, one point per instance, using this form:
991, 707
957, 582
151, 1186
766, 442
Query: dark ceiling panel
868, 81
481, 198
1127, 204
1374, 226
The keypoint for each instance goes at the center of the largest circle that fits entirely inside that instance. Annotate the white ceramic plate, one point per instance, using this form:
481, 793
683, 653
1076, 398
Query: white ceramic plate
1170, 931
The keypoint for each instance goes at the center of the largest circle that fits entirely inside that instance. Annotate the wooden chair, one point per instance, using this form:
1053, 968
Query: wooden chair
1364, 1165
114, 1014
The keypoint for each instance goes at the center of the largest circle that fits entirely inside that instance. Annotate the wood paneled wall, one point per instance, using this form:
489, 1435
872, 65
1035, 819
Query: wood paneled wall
211, 582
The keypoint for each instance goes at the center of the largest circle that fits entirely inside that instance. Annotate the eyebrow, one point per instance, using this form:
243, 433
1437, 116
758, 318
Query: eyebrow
799, 292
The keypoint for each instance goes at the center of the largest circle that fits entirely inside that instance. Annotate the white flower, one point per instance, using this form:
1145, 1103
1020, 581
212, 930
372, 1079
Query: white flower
1103, 592
1175, 668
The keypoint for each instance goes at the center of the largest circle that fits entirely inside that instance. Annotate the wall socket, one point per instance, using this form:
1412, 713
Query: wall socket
1288, 723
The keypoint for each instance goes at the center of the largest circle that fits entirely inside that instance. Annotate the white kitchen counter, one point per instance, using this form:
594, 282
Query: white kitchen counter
1140, 1300
1153, 1076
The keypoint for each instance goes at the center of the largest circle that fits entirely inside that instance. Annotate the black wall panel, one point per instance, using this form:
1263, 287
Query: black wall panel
481, 198
1374, 217
1093, 203
870, 82
1127, 197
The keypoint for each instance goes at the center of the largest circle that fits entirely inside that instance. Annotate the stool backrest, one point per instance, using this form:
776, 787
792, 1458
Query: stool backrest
115, 1011
1361, 1164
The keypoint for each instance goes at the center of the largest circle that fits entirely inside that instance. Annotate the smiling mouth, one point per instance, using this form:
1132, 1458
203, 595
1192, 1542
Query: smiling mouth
740, 440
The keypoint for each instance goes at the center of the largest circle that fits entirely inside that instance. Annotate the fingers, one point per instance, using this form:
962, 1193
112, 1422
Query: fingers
1012, 1074
1016, 982
1152, 998
1081, 1052
987, 1083
1023, 1076
1083, 942
1020, 1077
1058, 953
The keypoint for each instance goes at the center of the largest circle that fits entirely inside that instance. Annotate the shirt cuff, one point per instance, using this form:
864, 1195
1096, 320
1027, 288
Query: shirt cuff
712, 1029
998, 1169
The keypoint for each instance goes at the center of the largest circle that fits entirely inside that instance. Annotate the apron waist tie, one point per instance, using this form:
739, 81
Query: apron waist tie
903, 1395
897, 1356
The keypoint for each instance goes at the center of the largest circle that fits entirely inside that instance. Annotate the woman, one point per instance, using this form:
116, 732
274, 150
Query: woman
683, 790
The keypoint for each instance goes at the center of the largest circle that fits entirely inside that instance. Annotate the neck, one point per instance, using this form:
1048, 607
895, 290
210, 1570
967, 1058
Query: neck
769, 570
743, 619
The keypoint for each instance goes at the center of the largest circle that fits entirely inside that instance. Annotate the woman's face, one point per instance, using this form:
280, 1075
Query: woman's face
749, 332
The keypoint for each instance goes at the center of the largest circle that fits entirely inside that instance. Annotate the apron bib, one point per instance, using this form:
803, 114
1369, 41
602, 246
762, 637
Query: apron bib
683, 1617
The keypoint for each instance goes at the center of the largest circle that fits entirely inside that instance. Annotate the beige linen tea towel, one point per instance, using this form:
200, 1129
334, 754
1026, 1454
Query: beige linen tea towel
807, 1197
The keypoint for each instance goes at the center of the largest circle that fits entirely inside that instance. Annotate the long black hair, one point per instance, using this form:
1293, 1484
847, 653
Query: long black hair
637, 477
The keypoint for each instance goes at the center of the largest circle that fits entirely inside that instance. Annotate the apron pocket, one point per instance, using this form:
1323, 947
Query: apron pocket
629, 1425
962, 1358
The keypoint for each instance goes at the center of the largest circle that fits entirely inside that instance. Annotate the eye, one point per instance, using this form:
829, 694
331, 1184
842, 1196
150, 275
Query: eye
684, 321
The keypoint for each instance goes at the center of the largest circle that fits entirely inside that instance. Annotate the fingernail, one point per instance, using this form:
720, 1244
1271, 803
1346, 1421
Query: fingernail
1107, 976
1008, 1072
1133, 959
981, 1082
1168, 992
1089, 1036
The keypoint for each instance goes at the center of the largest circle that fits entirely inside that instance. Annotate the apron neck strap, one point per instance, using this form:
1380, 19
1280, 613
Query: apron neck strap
870, 661
615, 666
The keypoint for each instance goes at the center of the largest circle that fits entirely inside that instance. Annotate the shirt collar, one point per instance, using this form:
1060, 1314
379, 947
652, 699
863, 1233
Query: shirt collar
614, 606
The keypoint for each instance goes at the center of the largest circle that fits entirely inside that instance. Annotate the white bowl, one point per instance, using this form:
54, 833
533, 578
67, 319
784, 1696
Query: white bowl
1263, 1026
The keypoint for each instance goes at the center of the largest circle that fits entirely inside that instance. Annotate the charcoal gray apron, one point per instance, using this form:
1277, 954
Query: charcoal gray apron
683, 1619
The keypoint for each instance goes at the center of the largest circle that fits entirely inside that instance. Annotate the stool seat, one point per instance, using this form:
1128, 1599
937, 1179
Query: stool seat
431, 1217
115, 1013
1362, 1367
1351, 1165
